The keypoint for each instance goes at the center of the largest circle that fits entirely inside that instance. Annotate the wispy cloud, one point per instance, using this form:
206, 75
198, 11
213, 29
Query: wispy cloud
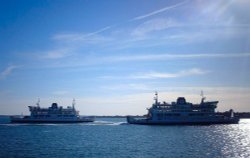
56, 53
67, 44
74, 37
152, 57
161, 75
231, 12
154, 25
158, 11
97, 59
7, 71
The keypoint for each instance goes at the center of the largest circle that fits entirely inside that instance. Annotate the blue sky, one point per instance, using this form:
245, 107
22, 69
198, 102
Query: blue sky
112, 55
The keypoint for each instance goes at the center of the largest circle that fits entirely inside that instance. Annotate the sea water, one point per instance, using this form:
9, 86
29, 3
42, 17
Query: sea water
113, 137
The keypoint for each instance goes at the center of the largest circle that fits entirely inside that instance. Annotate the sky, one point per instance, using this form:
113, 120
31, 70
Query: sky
111, 56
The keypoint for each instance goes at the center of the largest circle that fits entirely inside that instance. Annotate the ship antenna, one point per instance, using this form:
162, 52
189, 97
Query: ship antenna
73, 103
38, 102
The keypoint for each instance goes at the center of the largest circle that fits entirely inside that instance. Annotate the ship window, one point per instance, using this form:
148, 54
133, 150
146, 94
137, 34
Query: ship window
176, 114
198, 114
168, 114
159, 116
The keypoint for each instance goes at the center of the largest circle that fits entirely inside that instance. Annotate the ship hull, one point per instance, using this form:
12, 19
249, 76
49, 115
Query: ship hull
132, 120
30, 120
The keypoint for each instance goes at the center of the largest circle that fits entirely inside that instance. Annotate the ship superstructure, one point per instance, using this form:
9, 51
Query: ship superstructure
53, 114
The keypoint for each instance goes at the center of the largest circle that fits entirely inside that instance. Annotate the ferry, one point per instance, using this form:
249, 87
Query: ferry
53, 114
183, 113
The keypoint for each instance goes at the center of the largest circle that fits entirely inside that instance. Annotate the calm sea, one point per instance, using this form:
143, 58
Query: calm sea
115, 138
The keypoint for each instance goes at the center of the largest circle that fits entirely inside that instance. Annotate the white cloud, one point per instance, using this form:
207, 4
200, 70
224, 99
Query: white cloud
154, 25
7, 71
158, 11
56, 54
160, 75
152, 57
155, 75
229, 11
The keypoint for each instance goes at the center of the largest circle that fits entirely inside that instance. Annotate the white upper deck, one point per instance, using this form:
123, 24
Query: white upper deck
182, 106
53, 110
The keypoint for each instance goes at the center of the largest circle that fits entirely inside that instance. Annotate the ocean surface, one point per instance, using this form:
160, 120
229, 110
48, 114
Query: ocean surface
113, 137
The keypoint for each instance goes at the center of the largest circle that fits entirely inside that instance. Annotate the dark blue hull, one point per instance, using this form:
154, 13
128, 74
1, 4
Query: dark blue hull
132, 120
30, 120
42, 121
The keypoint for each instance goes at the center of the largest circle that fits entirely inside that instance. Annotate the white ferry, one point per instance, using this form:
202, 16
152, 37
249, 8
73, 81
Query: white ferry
184, 113
53, 114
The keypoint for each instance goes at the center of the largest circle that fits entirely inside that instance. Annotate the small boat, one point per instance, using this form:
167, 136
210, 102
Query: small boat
184, 113
53, 114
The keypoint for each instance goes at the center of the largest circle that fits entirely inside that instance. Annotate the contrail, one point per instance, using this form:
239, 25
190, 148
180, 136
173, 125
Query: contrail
100, 30
158, 11
137, 18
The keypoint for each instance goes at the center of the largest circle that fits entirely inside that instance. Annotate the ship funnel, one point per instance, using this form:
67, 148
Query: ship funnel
202, 97
156, 97
73, 103
231, 113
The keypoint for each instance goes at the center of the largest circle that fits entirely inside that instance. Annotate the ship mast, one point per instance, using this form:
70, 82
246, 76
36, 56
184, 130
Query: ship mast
38, 102
156, 97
